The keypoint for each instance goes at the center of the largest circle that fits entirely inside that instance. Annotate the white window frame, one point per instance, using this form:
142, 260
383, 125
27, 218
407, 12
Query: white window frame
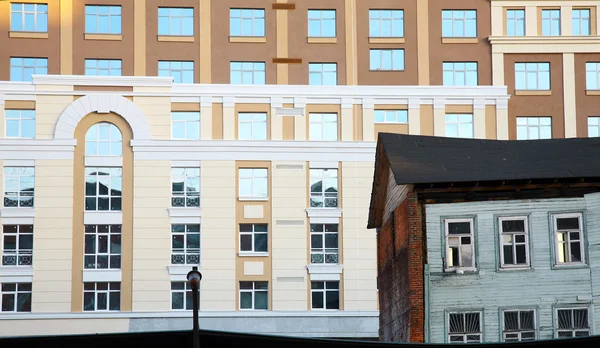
257, 119
37, 69
318, 17
10, 116
539, 72
321, 120
19, 195
458, 123
116, 143
332, 254
398, 116
185, 194
187, 253
323, 292
253, 234
592, 72
257, 68
183, 71
320, 174
517, 21
594, 124
111, 231
93, 65
471, 235
322, 69
257, 174
464, 334
501, 243
396, 19
257, 13
549, 21
456, 73
384, 53
37, 11
190, 119
464, 18
180, 17
187, 290
519, 332
573, 331
253, 291
21, 256
98, 16
555, 217
15, 295
580, 21
109, 179
524, 123
96, 292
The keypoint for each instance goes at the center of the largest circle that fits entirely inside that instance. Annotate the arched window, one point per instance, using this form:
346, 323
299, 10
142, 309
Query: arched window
103, 139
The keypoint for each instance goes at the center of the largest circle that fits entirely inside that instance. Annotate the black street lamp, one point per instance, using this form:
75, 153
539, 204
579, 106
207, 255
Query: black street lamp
194, 277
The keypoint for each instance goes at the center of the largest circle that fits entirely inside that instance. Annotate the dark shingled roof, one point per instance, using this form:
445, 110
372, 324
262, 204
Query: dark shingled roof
428, 160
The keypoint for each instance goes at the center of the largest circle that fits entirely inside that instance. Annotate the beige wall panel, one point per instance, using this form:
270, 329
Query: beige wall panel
566, 20
498, 69
206, 123
439, 122
158, 114
497, 21
414, 121
2, 121
531, 19
569, 104
276, 127
347, 124
300, 131
502, 124
368, 122
48, 110
229, 125
65, 326
479, 122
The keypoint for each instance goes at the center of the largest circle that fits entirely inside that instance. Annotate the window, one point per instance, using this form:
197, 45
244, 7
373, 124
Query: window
459, 125
180, 71
20, 124
514, 242
386, 23
464, 327
254, 238
185, 125
182, 297
460, 73
103, 139
102, 19
103, 189
325, 295
101, 296
253, 182
323, 127
459, 23
322, 74
19, 183
551, 22
247, 73
17, 245
254, 295
102, 247
324, 243
321, 23
391, 116
572, 322
246, 22
185, 187
519, 325
387, 59
515, 22
323, 188
593, 126
103, 67
29, 17
176, 21
21, 69
185, 244
16, 297
252, 126
532, 76
460, 244
592, 76
568, 239
531, 128
581, 22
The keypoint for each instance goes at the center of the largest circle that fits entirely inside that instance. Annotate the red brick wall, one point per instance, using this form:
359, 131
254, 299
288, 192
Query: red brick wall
400, 273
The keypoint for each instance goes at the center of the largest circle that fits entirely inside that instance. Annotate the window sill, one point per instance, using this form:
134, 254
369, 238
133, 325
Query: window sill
94, 217
16, 274
248, 39
101, 275
175, 38
325, 272
460, 40
178, 270
571, 266
28, 35
321, 40
252, 254
386, 71
103, 37
515, 269
253, 199
324, 215
463, 271
533, 92
387, 40
592, 92
20, 212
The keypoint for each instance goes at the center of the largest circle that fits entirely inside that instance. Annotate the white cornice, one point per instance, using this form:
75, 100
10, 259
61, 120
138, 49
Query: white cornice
36, 149
83, 80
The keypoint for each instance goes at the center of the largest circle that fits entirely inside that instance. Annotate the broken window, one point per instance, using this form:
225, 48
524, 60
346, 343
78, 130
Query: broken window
464, 327
568, 239
514, 242
519, 325
460, 251
572, 322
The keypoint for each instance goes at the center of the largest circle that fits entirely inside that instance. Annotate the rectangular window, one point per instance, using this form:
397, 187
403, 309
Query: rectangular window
323, 188
102, 247
19, 183
29, 17
323, 127
387, 59
568, 239
182, 297
247, 73
532, 76
177, 21
464, 327
459, 126
21, 69
254, 183
532, 128
460, 73
514, 242
391, 116
460, 244
185, 125
246, 22
324, 245
103, 67
592, 76
185, 187
572, 322
325, 294
519, 325
322, 74
593, 127
103, 189
551, 22
459, 23
581, 22
17, 245
254, 238
386, 23
16, 297
254, 295
20, 124
102, 19
101, 296
515, 22
252, 126
321, 23
180, 71
185, 244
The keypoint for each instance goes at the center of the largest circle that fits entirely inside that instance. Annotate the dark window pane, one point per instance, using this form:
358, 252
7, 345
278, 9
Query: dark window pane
189, 300
331, 240
567, 223
521, 254
115, 262
246, 300
317, 285
24, 287
246, 242
508, 255
24, 302
260, 243
527, 320
88, 301
8, 302
115, 301
459, 227
511, 320
102, 301
246, 285
260, 228
177, 300
261, 300
513, 226
245, 228
317, 300
575, 252
333, 299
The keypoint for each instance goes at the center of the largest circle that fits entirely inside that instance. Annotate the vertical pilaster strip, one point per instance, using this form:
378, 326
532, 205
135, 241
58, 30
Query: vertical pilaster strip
423, 41
414, 116
497, 68
597, 20
282, 44
531, 21
300, 122
276, 121
347, 120
479, 126
205, 42
66, 37
351, 50
368, 120
228, 118
439, 117
566, 20
569, 100
139, 38
502, 119
497, 20
206, 118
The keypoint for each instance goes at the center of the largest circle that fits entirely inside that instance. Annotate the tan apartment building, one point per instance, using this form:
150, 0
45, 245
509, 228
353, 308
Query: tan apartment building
141, 138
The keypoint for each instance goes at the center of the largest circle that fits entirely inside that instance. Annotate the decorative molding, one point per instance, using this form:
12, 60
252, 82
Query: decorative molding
102, 217
18, 220
252, 254
478, 104
16, 274
181, 270
502, 104
85, 80
206, 101
368, 103
439, 103
276, 102
346, 103
324, 213
17, 212
36, 149
414, 103
101, 275
287, 60
325, 272
283, 6
19, 163
228, 101
299, 102
280, 111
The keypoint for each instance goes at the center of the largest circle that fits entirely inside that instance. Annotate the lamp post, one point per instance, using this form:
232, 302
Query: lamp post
194, 277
